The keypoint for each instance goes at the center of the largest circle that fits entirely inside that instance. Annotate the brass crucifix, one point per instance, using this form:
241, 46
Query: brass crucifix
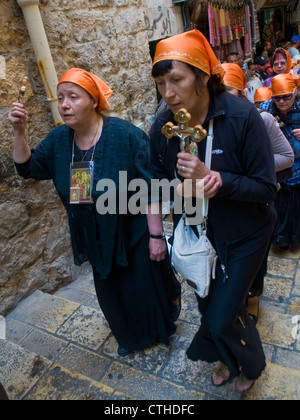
185, 133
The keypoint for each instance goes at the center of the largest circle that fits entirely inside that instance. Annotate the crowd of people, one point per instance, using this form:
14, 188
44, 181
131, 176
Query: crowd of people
253, 185
273, 86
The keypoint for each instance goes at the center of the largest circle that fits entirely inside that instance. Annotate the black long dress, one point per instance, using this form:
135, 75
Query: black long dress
137, 300
135, 294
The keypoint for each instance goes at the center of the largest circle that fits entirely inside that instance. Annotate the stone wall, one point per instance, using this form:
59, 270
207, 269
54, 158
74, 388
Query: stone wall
107, 37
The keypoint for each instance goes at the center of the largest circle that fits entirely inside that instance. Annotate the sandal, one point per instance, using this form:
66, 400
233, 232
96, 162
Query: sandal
220, 370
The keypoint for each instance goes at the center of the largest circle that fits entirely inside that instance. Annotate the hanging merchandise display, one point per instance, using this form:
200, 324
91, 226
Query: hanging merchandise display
233, 25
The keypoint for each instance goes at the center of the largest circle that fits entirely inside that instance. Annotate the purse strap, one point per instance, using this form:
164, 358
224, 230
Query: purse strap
208, 158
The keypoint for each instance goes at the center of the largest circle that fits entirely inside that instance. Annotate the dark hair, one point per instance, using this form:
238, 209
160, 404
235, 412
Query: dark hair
232, 54
215, 86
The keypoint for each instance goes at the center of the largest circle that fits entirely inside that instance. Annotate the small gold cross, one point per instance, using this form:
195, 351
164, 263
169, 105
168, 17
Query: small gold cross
184, 132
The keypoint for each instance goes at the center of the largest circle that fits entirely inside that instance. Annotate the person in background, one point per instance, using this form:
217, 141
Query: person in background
266, 46
260, 68
135, 286
253, 81
294, 48
282, 63
285, 106
236, 58
234, 80
269, 65
296, 68
235, 83
240, 184
261, 95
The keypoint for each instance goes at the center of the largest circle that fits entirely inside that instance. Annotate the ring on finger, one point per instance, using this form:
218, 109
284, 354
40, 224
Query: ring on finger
182, 168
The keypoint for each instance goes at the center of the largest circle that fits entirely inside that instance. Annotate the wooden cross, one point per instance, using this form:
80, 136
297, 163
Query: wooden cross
184, 132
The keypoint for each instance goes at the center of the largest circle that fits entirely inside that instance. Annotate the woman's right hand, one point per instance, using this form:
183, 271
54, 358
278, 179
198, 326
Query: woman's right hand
17, 116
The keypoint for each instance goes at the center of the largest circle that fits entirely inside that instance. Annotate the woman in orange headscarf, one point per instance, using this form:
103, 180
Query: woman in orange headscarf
285, 106
262, 94
240, 184
136, 289
282, 64
235, 79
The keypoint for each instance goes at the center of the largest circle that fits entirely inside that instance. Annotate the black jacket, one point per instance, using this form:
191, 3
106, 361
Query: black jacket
242, 153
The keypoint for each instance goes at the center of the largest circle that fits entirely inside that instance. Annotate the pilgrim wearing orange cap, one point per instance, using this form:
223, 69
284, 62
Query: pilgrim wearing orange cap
285, 84
285, 106
241, 181
132, 277
263, 94
235, 77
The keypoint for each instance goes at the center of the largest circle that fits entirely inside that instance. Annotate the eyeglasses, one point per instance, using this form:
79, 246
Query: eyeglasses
285, 98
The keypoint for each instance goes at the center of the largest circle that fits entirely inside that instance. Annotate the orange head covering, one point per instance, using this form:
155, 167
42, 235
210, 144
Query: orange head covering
288, 57
234, 76
191, 48
91, 83
285, 84
263, 94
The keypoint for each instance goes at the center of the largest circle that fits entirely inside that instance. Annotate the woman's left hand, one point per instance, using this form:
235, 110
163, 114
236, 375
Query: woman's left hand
296, 134
212, 184
191, 167
158, 249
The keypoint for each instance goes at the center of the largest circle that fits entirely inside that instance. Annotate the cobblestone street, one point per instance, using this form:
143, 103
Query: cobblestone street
60, 347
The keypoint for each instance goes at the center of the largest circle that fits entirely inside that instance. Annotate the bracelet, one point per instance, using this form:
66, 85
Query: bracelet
163, 236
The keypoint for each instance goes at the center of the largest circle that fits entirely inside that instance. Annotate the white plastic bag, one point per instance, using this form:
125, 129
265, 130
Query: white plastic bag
193, 257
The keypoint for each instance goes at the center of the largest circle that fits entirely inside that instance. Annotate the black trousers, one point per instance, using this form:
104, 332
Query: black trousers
227, 332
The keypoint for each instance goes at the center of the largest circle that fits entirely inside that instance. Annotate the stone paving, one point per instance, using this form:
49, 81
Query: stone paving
60, 348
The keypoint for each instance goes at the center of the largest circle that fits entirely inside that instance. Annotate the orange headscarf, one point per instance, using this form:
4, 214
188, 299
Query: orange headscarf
191, 48
285, 84
91, 83
288, 57
263, 94
234, 76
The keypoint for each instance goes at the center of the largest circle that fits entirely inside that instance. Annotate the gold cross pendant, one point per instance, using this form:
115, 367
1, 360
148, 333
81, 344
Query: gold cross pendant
185, 133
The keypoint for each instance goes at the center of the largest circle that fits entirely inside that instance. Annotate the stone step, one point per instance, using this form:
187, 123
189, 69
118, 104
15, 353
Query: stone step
28, 376
75, 343
60, 347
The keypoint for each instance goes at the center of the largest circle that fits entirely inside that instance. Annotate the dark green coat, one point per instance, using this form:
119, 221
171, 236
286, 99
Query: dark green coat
102, 240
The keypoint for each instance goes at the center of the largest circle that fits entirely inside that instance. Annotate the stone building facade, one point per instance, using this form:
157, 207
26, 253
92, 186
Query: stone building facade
108, 37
